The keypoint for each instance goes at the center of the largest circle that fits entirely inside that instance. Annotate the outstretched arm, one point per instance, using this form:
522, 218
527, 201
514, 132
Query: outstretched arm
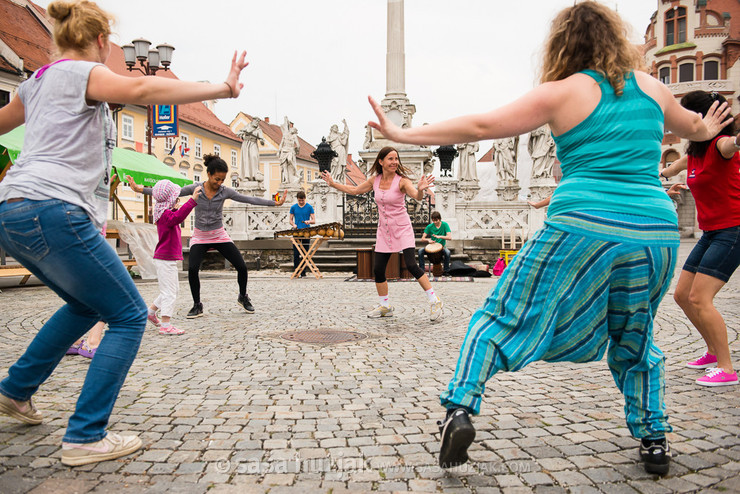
676, 167
105, 85
365, 186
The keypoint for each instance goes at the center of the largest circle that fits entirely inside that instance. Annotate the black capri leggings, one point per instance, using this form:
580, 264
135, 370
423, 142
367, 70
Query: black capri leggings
409, 256
226, 249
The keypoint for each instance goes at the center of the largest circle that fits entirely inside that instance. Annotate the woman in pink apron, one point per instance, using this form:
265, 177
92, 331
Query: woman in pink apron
390, 183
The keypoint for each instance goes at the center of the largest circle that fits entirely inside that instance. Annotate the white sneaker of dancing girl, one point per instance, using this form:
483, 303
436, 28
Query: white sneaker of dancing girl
435, 304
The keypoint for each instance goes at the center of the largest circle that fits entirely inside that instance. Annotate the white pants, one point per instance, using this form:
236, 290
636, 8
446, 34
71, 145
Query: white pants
168, 285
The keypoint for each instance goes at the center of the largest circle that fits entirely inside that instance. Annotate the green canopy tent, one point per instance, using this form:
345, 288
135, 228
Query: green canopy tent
144, 168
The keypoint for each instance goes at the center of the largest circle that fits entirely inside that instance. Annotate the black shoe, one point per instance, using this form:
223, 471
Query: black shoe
246, 303
196, 311
656, 454
457, 435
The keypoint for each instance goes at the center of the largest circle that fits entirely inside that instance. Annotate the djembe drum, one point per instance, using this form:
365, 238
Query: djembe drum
435, 255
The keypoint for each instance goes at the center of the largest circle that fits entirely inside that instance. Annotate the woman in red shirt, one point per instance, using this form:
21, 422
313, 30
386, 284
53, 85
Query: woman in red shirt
714, 179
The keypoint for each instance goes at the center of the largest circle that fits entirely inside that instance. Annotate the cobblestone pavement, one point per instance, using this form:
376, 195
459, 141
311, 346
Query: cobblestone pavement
232, 407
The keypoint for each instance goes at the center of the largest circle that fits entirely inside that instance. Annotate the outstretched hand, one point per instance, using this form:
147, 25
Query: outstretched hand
327, 178
717, 118
237, 65
282, 198
675, 191
134, 186
425, 182
384, 124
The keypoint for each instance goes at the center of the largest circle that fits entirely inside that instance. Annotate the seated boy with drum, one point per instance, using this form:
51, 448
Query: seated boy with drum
437, 232
301, 216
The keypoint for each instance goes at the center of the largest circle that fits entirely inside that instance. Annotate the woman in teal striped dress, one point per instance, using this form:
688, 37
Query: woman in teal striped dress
594, 275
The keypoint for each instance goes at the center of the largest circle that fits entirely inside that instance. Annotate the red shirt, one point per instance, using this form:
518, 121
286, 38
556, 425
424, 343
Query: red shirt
715, 184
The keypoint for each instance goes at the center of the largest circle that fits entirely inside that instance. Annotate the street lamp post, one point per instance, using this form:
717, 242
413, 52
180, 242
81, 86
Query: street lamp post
150, 61
149, 64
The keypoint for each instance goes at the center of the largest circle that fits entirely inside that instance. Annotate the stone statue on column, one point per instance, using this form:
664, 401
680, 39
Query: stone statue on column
287, 153
249, 166
504, 159
339, 143
541, 147
468, 163
368, 137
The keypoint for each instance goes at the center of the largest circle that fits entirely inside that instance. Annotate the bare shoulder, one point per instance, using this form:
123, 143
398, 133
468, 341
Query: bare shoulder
653, 87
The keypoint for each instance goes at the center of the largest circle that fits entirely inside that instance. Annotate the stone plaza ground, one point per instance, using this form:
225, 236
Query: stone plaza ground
231, 407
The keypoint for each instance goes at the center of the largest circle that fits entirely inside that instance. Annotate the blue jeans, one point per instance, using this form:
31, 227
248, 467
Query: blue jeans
446, 260
58, 243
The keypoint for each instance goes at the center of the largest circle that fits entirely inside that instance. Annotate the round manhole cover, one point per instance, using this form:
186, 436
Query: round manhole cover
323, 336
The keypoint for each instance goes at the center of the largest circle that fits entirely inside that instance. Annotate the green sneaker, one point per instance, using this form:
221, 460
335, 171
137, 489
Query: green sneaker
20, 410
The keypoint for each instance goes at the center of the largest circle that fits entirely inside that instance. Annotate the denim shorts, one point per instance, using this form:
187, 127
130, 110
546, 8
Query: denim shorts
717, 254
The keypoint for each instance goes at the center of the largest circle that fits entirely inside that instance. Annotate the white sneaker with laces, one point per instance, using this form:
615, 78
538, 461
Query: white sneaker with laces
380, 311
112, 446
436, 309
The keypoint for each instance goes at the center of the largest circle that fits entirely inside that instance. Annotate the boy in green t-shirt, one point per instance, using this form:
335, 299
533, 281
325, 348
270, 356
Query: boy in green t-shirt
437, 231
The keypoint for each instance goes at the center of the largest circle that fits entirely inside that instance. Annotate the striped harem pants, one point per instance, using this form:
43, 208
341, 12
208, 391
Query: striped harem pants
584, 280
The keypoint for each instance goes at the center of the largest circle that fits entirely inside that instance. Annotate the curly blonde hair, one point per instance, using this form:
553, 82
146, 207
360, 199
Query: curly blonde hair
590, 36
78, 24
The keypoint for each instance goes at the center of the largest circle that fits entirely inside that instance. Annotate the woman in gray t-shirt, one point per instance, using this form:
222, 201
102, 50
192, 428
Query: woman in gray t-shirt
209, 232
53, 203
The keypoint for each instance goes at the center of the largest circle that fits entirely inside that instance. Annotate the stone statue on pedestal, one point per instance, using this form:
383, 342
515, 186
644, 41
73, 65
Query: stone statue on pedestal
504, 158
287, 152
249, 166
368, 137
468, 162
339, 143
541, 148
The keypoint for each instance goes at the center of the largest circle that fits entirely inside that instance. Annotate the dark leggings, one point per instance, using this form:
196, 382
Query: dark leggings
381, 262
229, 251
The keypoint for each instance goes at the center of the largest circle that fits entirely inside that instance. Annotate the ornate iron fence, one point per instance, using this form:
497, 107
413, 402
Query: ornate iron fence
360, 215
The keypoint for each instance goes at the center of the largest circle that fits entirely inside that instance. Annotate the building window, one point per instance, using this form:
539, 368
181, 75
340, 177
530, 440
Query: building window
675, 26
217, 149
686, 72
184, 145
196, 178
127, 127
233, 158
234, 182
4, 98
168, 143
198, 148
184, 173
664, 75
711, 70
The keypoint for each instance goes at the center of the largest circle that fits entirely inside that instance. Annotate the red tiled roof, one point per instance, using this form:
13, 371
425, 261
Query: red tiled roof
6, 66
25, 35
487, 157
353, 173
194, 113
276, 135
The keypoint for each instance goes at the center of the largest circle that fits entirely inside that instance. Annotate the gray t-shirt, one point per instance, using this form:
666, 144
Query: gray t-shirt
68, 145
209, 212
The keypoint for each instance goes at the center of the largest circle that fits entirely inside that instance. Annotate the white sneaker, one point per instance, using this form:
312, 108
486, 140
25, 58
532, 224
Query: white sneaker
436, 309
380, 311
112, 446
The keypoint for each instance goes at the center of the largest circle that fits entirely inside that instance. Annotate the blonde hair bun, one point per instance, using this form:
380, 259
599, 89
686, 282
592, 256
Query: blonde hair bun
59, 10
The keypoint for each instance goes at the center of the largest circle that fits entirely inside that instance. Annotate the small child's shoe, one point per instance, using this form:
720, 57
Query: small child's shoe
152, 318
170, 330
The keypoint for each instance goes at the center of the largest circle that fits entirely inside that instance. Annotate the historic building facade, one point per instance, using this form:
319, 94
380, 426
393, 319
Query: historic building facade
694, 45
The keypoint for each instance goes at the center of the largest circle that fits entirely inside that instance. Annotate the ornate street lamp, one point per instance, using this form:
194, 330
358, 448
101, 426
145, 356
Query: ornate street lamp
445, 154
149, 63
324, 154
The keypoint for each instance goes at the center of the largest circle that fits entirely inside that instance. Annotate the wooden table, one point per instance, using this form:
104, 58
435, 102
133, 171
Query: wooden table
307, 256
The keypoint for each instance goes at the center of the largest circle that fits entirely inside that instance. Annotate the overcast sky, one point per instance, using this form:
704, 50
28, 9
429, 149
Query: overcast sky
317, 60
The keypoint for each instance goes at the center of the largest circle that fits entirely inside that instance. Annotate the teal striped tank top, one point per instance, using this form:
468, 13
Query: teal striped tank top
610, 159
